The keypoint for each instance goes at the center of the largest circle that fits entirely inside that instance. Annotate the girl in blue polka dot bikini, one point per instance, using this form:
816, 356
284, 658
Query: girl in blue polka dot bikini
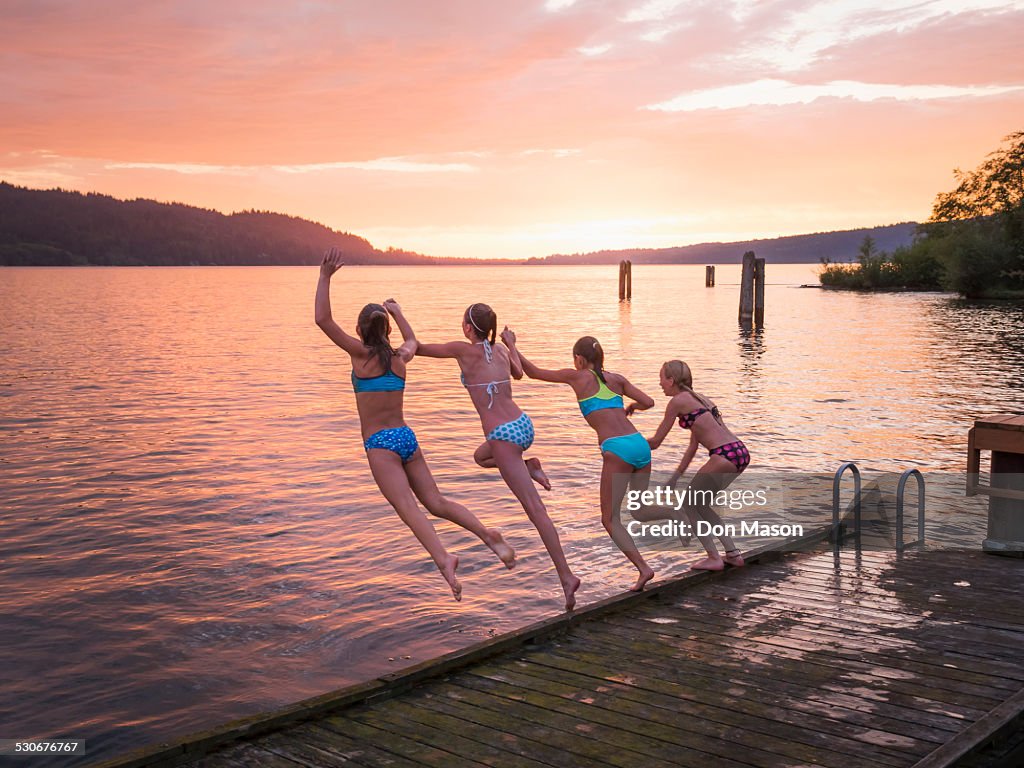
396, 461
487, 372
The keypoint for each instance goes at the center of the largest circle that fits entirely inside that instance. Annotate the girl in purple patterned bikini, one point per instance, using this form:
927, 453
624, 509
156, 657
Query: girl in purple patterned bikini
727, 456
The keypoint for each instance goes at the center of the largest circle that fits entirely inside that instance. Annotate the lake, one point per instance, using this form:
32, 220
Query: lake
190, 532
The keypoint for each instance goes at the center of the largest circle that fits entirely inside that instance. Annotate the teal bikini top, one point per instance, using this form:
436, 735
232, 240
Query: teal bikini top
386, 382
604, 398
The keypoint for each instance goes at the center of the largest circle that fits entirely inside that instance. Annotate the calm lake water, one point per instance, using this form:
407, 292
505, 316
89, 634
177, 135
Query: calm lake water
189, 529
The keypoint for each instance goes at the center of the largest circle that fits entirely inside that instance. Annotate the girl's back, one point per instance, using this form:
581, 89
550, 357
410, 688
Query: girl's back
487, 376
379, 393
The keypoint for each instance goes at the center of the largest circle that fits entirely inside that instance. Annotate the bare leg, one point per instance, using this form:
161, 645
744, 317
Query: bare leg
391, 479
485, 458
426, 491
714, 476
509, 458
615, 479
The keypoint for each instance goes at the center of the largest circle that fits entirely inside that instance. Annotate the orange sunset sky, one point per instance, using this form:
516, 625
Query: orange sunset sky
512, 129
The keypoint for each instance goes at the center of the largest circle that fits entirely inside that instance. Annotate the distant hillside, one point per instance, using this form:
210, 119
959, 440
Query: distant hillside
796, 249
59, 228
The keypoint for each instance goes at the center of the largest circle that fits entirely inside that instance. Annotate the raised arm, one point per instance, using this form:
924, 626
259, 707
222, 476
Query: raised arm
643, 400
409, 343
331, 264
515, 363
563, 376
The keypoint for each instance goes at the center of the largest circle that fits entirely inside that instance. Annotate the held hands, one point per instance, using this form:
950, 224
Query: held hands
332, 262
630, 409
509, 337
392, 307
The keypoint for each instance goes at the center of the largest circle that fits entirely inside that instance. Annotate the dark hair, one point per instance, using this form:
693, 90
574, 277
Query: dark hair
374, 328
590, 350
484, 321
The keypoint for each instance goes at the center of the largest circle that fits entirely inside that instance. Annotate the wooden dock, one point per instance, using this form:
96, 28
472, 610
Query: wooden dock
802, 659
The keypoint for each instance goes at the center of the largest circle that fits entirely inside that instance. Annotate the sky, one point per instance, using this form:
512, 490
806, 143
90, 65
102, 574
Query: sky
492, 129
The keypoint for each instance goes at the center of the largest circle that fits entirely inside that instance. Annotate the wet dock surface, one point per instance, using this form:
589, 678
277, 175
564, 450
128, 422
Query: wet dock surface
845, 661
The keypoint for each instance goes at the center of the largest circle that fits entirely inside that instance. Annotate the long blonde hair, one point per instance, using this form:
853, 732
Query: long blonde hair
680, 374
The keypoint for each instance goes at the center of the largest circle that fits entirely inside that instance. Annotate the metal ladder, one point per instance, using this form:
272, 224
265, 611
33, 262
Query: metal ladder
837, 533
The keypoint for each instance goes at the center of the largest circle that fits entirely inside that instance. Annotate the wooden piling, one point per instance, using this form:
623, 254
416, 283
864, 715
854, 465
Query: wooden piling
622, 281
747, 289
629, 279
709, 277
759, 291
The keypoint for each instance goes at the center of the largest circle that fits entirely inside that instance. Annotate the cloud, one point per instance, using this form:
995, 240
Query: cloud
594, 50
790, 40
554, 6
782, 92
188, 169
654, 10
553, 152
385, 164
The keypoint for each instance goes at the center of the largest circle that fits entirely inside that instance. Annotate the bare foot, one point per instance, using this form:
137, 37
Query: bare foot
537, 473
733, 557
570, 587
448, 571
646, 575
501, 548
709, 564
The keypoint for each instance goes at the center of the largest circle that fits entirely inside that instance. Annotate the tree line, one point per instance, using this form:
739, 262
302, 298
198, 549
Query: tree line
973, 243
63, 228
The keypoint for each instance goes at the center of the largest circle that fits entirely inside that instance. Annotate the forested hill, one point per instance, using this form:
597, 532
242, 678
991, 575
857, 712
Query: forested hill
57, 228
796, 249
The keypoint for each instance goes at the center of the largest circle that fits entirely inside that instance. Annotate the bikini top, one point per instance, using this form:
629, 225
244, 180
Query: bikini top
687, 419
603, 398
492, 386
386, 382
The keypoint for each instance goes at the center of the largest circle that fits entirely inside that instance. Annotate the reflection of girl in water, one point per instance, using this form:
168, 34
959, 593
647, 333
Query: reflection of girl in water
626, 454
727, 456
487, 371
396, 461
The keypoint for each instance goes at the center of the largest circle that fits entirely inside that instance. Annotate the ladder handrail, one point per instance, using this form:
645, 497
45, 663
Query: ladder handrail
846, 465
900, 490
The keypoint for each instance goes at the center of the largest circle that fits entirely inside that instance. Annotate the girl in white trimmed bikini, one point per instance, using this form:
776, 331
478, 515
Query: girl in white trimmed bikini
487, 371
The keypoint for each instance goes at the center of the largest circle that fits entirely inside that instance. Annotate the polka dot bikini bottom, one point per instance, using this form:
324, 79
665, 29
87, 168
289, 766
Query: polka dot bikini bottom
736, 452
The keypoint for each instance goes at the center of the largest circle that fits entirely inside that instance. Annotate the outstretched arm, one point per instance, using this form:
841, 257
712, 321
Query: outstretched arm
331, 264
563, 376
451, 349
409, 343
643, 400
665, 427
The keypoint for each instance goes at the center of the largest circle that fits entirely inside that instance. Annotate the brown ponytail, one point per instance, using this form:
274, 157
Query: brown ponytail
374, 328
590, 350
484, 322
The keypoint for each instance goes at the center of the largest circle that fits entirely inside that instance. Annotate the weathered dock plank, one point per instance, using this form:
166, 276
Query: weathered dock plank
856, 660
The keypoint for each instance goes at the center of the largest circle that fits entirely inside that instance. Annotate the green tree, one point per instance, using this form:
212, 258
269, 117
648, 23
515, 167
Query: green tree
978, 228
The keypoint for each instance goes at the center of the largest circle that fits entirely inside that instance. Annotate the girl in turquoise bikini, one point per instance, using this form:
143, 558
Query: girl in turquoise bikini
627, 456
487, 372
396, 461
